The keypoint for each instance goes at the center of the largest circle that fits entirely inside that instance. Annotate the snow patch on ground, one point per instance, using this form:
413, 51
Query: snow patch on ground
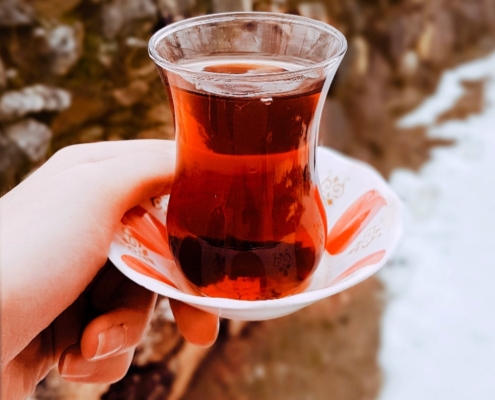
438, 330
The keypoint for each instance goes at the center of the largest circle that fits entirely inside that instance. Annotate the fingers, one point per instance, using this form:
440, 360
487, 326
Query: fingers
197, 326
75, 367
96, 152
133, 178
122, 328
123, 173
113, 333
108, 341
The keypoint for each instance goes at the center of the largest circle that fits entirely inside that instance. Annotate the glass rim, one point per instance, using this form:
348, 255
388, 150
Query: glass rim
224, 17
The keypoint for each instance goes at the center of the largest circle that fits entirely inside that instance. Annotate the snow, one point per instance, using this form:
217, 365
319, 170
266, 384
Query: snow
438, 329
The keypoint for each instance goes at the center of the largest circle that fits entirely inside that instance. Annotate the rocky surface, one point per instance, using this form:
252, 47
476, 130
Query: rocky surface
33, 99
81, 66
77, 71
31, 137
14, 163
16, 13
327, 351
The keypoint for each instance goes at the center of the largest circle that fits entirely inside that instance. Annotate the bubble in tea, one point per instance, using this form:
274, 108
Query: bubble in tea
245, 217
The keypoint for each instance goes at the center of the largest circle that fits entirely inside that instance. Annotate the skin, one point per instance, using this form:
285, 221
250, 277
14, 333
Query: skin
61, 304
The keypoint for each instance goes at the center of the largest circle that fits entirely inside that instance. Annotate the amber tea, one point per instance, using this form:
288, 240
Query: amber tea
245, 219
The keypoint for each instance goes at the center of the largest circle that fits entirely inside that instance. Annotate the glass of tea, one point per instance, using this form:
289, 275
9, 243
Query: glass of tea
245, 217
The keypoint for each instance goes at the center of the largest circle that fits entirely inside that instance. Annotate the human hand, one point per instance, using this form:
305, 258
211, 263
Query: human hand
58, 304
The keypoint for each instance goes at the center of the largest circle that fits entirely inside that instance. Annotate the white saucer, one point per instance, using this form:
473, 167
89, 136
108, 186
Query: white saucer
356, 199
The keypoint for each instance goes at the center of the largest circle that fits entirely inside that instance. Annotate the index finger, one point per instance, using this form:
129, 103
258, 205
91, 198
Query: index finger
95, 152
197, 326
126, 309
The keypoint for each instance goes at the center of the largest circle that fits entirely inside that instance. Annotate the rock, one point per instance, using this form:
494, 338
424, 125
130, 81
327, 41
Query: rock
160, 114
14, 164
468, 19
314, 10
33, 99
361, 56
15, 13
90, 134
118, 13
32, 137
120, 132
139, 68
404, 100
83, 109
435, 45
123, 116
106, 53
158, 132
489, 14
131, 94
62, 46
431, 7
408, 65
136, 42
174, 10
355, 64
113, 136
355, 15
11, 73
335, 128
404, 32
425, 42
366, 109
220, 6
54, 9
280, 6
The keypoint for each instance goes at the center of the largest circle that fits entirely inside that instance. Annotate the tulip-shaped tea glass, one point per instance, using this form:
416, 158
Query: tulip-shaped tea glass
245, 217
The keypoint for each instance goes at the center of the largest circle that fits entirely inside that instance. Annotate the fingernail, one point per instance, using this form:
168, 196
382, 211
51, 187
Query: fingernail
77, 367
110, 341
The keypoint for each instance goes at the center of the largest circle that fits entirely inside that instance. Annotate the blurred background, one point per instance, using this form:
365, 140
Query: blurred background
414, 97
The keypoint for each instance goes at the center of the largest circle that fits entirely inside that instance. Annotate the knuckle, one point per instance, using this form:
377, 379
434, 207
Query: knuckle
69, 151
